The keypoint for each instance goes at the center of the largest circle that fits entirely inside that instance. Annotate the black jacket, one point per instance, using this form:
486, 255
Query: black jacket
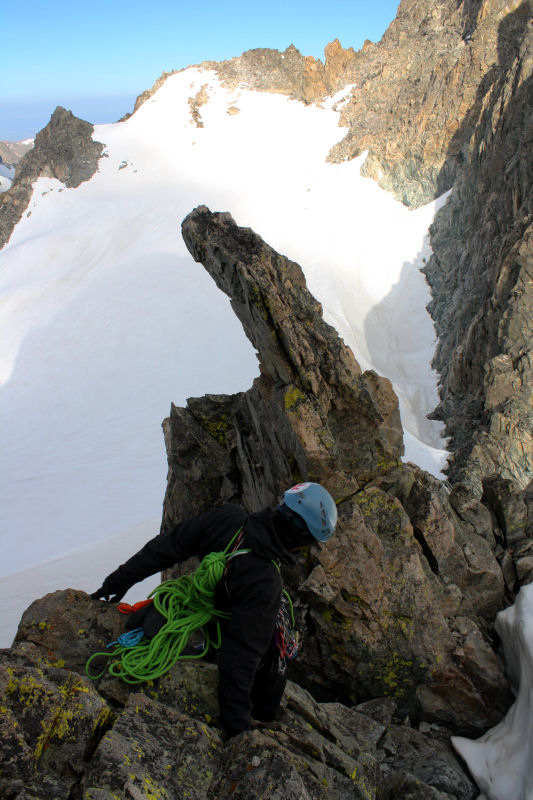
251, 591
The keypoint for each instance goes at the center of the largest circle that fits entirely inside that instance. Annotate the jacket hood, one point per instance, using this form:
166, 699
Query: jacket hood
261, 535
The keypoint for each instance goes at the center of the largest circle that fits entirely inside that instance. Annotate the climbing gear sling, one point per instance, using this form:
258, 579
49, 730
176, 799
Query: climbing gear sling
285, 633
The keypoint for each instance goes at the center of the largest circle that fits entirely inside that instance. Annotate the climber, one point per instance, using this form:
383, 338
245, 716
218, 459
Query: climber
251, 675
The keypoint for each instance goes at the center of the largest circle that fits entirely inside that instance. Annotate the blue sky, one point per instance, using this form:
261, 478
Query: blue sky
96, 58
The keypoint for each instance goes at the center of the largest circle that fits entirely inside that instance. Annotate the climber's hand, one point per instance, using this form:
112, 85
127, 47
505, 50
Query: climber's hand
112, 590
100, 594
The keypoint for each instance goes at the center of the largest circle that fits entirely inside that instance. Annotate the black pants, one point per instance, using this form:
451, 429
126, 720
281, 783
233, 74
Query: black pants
270, 679
269, 685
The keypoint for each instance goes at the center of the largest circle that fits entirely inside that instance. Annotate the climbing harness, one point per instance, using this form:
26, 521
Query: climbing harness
187, 604
285, 633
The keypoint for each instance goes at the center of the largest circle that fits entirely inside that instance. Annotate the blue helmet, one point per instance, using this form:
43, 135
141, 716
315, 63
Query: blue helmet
316, 507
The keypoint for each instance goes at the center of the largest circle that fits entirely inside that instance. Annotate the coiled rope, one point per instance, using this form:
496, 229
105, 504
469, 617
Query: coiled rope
187, 604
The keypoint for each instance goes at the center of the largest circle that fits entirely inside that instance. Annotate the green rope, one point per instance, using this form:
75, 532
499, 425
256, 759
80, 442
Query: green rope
187, 604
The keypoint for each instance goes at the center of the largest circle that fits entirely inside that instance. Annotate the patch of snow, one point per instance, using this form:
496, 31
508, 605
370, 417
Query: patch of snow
341, 98
7, 171
500, 761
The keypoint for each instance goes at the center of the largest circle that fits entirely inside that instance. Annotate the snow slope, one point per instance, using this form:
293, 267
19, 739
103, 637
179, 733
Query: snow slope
106, 319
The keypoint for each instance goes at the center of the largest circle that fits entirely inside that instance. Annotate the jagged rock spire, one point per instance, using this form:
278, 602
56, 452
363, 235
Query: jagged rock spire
312, 414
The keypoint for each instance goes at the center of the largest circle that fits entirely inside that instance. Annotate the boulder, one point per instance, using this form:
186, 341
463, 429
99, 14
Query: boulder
67, 737
51, 722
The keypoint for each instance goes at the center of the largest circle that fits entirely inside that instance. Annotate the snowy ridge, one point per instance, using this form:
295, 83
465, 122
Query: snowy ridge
106, 319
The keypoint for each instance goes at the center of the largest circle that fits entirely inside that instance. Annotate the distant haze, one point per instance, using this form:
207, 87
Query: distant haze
23, 120
95, 59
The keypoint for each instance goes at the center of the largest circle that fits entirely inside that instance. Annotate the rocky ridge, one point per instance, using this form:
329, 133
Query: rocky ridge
445, 100
414, 106
64, 150
303, 77
289, 72
395, 612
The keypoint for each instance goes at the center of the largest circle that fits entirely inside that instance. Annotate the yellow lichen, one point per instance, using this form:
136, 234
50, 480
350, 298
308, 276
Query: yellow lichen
293, 397
218, 429
259, 302
395, 676
152, 791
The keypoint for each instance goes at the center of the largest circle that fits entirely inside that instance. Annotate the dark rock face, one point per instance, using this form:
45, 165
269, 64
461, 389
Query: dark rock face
288, 426
445, 100
512, 515
63, 150
480, 274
